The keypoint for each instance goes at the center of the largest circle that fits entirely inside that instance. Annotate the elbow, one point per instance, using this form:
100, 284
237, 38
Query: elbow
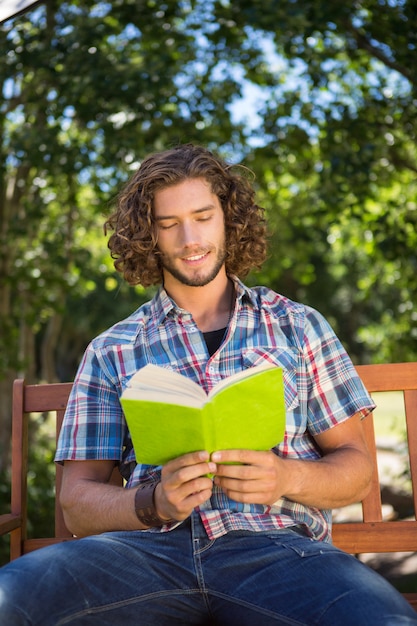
69, 513
364, 491
71, 525
365, 481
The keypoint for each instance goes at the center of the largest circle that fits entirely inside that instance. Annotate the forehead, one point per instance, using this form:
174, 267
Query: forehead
192, 194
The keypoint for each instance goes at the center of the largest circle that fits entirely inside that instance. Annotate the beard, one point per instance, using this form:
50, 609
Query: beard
198, 277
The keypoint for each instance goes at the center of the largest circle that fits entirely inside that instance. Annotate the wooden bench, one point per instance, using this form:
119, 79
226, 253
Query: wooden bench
371, 535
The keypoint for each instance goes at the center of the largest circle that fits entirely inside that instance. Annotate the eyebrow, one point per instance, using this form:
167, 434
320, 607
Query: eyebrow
203, 209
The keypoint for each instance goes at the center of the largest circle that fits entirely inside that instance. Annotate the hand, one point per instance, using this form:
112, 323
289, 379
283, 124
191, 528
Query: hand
184, 485
339, 477
248, 476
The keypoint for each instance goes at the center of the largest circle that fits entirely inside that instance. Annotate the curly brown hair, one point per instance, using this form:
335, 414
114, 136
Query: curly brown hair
133, 244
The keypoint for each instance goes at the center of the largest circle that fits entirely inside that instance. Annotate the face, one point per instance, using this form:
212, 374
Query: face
191, 234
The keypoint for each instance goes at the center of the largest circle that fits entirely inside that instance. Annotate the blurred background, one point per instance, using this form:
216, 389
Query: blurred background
318, 99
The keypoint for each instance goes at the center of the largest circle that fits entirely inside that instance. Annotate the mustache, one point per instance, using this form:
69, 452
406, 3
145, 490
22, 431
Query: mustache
187, 252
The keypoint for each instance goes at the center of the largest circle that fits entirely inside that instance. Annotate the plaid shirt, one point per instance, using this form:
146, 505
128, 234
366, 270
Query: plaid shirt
322, 390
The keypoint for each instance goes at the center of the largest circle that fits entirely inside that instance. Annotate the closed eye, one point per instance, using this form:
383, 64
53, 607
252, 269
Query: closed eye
166, 225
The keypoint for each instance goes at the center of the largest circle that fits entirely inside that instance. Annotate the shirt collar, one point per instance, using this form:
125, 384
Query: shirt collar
243, 292
162, 305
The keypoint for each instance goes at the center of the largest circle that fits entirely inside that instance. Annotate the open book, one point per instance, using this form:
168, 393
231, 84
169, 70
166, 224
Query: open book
169, 414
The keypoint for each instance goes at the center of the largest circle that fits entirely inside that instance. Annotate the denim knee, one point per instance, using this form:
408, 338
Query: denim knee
10, 614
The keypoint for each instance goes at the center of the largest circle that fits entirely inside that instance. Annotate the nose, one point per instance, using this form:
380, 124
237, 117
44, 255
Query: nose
189, 234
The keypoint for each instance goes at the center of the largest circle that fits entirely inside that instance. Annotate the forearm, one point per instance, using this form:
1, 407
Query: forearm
91, 507
338, 479
343, 474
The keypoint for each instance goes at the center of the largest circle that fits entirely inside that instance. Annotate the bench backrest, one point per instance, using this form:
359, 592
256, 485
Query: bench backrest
28, 399
374, 534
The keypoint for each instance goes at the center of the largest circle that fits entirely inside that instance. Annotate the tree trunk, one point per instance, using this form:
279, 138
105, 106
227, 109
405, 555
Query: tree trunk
49, 349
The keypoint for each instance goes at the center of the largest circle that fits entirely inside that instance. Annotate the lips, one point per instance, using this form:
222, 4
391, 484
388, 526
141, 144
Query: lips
195, 258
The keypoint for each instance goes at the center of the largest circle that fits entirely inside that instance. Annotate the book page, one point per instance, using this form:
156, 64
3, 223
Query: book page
162, 385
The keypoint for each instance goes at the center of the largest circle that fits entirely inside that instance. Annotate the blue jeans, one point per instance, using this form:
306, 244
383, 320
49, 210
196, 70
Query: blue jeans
182, 577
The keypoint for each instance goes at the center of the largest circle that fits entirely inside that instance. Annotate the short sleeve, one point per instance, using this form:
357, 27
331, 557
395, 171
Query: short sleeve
93, 425
335, 390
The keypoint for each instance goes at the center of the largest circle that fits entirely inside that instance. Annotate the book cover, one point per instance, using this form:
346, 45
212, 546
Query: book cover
169, 415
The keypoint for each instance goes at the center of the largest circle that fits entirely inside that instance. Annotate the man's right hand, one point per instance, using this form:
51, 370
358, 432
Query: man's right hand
184, 485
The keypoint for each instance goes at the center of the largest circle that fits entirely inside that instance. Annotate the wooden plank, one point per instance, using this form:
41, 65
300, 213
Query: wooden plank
371, 504
410, 403
412, 599
29, 545
9, 522
362, 537
52, 397
389, 376
19, 468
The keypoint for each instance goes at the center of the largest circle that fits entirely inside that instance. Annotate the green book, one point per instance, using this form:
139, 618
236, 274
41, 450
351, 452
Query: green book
169, 414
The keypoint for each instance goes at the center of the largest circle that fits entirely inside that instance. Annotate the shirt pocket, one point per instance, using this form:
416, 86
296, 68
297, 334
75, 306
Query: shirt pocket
284, 357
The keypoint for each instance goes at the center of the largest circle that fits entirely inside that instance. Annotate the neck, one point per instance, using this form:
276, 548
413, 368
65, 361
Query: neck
211, 306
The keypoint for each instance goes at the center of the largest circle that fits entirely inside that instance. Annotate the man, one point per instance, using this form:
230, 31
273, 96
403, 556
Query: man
252, 545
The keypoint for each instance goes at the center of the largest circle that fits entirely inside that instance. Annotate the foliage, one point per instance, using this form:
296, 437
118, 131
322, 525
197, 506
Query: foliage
88, 88
338, 159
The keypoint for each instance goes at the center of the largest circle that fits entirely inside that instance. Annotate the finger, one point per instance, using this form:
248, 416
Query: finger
238, 471
248, 492
197, 485
191, 500
246, 457
192, 458
181, 499
228, 484
187, 467
184, 475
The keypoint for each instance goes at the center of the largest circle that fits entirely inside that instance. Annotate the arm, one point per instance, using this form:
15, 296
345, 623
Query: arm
91, 505
340, 477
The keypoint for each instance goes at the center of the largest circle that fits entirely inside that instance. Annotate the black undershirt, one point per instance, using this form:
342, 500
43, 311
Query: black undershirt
214, 339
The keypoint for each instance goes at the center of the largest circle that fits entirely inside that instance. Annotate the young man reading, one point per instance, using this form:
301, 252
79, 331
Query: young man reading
239, 536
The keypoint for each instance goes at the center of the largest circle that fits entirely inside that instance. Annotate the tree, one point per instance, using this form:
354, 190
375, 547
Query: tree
87, 88
337, 122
